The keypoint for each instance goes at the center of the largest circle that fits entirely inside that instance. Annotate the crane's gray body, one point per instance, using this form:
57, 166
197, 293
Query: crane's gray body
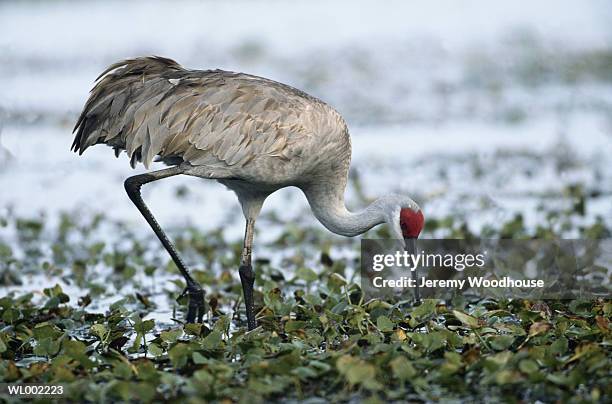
216, 124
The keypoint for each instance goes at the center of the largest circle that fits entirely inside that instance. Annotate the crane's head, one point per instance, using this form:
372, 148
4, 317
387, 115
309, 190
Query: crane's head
411, 222
404, 217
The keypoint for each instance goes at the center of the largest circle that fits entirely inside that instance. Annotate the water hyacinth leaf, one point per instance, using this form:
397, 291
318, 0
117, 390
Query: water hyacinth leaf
269, 385
466, 319
222, 324
144, 327
402, 368
199, 359
452, 364
78, 351
504, 377
426, 310
607, 309
293, 325
99, 330
337, 280
283, 364
559, 346
306, 274
538, 328
430, 342
497, 361
47, 347
56, 294
502, 342
171, 336
11, 315
528, 366
193, 329
384, 324
46, 330
155, 349
399, 335
179, 355
304, 373
358, 372
212, 340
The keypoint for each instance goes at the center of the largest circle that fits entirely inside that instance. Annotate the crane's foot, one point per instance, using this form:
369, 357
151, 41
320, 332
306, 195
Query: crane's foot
247, 278
195, 307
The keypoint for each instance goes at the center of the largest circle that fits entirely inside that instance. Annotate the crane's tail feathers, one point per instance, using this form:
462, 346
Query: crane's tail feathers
102, 119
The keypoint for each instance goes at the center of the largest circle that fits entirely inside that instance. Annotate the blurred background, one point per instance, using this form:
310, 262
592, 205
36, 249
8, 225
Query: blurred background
484, 112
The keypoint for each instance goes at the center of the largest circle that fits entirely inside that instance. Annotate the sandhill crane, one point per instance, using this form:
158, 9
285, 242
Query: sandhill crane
251, 134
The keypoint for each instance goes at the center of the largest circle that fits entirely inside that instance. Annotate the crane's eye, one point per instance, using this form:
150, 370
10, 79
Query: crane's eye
411, 222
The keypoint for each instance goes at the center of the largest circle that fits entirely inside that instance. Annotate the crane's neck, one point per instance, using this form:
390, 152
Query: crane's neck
327, 204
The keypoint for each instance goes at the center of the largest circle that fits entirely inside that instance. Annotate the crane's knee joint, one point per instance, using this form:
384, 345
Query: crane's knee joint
133, 184
132, 187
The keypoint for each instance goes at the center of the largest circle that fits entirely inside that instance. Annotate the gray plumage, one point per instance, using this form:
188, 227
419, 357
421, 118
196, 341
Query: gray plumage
209, 118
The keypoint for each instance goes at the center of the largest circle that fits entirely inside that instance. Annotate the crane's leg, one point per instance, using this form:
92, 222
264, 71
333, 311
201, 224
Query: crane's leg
193, 290
247, 276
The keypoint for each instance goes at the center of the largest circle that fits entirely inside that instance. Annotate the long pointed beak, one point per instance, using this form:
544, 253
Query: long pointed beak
410, 245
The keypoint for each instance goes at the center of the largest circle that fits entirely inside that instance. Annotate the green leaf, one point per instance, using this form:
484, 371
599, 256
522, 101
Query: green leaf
429, 341
46, 330
402, 368
528, 366
538, 328
497, 361
384, 324
155, 350
505, 377
57, 293
77, 351
357, 371
306, 274
502, 342
212, 340
452, 364
337, 280
425, 310
193, 329
99, 330
144, 327
47, 347
10, 315
293, 325
179, 355
560, 346
466, 319
170, 336
199, 359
